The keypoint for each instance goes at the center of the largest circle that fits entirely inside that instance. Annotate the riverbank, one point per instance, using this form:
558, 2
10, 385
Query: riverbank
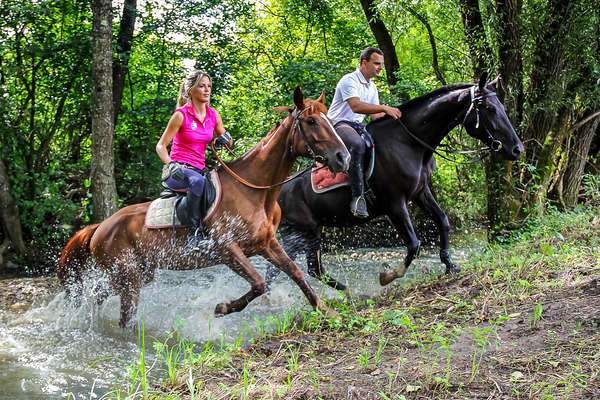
521, 321
19, 293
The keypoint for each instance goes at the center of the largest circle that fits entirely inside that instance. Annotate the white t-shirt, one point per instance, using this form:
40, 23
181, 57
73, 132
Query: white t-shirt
353, 84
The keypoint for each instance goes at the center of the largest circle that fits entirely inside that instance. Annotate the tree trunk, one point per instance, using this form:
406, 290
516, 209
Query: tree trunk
504, 200
104, 191
9, 212
384, 41
544, 90
578, 150
479, 48
510, 89
121, 62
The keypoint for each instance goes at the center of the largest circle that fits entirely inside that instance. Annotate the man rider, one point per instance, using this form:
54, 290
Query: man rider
356, 96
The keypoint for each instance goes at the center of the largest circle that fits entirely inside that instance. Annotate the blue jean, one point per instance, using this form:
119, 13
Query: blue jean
193, 181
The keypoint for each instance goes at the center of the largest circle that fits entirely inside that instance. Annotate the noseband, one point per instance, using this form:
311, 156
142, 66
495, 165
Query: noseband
477, 101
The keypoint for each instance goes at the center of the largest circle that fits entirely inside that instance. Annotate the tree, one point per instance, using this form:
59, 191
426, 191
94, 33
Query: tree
9, 216
384, 40
123, 54
104, 189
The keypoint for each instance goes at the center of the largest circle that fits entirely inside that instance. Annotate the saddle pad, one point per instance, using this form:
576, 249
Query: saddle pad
322, 180
161, 213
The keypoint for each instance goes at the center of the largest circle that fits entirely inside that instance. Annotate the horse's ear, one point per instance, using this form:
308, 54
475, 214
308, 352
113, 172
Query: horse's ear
283, 109
482, 81
494, 83
298, 99
321, 98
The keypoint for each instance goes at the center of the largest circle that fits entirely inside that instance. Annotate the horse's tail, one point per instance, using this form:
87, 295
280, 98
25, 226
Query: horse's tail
73, 259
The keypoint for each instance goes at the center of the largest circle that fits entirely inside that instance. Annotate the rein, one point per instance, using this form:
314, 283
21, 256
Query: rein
475, 102
297, 125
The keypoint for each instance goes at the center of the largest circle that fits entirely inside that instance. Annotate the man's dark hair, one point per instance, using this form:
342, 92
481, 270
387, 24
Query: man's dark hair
367, 52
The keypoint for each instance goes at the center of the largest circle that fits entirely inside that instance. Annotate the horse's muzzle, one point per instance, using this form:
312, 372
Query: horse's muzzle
517, 151
341, 162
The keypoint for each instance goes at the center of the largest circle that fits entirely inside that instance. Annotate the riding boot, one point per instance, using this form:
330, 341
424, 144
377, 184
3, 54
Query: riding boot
195, 234
358, 204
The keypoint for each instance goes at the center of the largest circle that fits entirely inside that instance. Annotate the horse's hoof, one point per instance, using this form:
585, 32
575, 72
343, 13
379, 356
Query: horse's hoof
221, 310
328, 312
386, 277
452, 270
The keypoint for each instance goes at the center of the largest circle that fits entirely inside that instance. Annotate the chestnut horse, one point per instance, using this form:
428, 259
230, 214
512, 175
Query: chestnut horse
243, 225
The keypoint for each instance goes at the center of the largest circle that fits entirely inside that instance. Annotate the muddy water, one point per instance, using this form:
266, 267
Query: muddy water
51, 351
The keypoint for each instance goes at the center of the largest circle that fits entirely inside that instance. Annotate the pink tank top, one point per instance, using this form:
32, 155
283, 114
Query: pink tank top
190, 142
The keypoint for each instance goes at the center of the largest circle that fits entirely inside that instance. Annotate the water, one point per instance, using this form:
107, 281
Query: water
51, 351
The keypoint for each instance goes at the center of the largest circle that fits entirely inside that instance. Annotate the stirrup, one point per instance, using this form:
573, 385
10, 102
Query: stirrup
194, 240
358, 207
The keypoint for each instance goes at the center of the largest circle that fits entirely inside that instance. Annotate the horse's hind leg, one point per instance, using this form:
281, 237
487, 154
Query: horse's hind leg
239, 263
401, 221
313, 261
126, 279
427, 202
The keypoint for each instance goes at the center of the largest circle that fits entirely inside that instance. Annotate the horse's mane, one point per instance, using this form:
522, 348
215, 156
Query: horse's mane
427, 97
308, 102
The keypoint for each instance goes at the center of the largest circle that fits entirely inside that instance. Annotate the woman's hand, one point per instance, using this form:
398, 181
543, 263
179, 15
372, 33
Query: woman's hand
175, 171
224, 139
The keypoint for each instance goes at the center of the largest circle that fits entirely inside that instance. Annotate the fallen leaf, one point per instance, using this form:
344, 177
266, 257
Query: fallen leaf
517, 375
411, 388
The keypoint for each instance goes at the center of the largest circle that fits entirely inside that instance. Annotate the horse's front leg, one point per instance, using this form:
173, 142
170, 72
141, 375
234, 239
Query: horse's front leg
293, 243
239, 263
401, 221
275, 254
428, 204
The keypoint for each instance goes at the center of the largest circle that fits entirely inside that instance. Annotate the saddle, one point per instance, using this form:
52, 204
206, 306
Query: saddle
170, 209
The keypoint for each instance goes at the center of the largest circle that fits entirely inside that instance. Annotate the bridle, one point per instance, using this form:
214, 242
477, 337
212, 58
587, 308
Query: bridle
476, 101
297, 126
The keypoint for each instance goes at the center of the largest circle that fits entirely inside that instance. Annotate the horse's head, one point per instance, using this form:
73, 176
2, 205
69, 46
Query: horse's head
314, 135
487, 121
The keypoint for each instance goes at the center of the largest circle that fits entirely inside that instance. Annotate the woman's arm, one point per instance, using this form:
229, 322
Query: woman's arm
170, 131
219, 128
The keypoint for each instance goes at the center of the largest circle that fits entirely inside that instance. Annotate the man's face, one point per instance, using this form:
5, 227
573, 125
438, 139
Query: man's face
374, 65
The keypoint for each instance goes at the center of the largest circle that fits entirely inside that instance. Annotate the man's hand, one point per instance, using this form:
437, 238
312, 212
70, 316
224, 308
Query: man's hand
393, 112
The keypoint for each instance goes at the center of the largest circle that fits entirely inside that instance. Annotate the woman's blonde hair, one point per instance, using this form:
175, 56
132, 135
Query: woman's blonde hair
188, 83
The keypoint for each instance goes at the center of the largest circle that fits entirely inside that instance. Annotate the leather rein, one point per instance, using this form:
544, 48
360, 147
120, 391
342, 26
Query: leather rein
309, 149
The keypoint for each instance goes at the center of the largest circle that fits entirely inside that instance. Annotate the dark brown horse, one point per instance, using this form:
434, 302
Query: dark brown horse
244, 224
404, 164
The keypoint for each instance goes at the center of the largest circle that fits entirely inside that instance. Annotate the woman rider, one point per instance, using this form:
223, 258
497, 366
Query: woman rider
191, 128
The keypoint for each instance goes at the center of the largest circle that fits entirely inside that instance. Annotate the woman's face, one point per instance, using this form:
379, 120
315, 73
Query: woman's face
201, 92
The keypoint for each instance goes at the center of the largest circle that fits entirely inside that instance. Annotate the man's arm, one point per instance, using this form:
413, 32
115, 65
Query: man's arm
374, 110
